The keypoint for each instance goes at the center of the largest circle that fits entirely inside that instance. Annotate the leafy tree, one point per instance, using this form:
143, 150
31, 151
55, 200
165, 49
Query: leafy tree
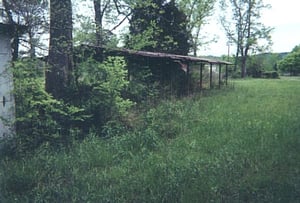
291, 63
249, 33
197, 12
85, 33
98, 29
158, 25
59, 75
296, 48
108, 11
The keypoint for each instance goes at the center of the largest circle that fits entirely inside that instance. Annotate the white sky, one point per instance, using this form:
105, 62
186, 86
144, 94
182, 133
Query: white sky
284, 16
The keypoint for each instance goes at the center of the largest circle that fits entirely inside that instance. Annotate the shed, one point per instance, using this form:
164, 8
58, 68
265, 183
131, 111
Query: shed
183, 60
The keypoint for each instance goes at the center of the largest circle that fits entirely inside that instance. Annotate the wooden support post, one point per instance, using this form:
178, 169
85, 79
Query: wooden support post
188, 78
220, 67
226, 75
210, 76
201, 75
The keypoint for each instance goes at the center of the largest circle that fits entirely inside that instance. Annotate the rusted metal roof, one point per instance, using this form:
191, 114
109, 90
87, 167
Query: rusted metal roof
175, 57
182, 58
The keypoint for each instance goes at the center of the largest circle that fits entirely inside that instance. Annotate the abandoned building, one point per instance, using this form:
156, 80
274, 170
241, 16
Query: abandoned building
177, 69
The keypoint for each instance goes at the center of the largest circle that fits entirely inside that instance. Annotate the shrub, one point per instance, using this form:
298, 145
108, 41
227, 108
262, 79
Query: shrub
164, 119
99, 91
270, 74
39, 117
142, 88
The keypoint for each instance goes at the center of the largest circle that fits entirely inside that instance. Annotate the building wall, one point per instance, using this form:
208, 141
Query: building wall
7, 104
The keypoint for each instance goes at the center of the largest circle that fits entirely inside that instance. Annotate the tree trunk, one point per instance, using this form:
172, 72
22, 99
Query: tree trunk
243, 67
98, 22
236, 60
32, 44
59, 75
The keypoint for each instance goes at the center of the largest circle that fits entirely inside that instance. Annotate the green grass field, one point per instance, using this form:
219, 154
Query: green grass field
240, 144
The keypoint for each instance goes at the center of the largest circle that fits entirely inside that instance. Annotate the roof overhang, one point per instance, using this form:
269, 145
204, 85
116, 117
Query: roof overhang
10, 29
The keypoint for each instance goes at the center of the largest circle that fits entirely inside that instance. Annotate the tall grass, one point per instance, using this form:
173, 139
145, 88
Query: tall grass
237, 145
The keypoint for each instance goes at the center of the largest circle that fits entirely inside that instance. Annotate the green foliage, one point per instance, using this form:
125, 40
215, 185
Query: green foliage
97, 104
146, 38
158, 26
258, 64
296, 48
291, 63
142, 88
156, 118
85, 34
99, 91
39, 117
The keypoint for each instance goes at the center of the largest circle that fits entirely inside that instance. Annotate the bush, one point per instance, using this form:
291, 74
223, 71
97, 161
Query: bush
99, 92
96, 101
165, 119
39, 117
142, 88
270, 74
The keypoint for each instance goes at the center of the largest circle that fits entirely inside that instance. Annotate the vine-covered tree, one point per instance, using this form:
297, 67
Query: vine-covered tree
244, 28
158, 25
59, 74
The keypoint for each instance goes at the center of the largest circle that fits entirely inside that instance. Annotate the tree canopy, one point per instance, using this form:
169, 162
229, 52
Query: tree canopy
159, 25
244, 28
291, 63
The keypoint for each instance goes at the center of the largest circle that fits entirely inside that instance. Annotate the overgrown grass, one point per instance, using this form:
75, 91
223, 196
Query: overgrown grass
238, 145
